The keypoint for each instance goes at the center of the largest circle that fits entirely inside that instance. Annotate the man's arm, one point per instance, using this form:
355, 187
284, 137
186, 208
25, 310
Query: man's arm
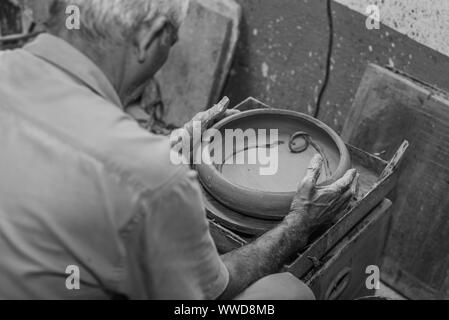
312, 207
265, 256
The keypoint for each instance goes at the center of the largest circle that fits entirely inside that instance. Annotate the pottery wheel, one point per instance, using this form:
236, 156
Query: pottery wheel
236, 221
254, 176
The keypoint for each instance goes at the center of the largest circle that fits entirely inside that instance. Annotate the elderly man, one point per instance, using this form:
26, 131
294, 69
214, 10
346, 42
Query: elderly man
83, 186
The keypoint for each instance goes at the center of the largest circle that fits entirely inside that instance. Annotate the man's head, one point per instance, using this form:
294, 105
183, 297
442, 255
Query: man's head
129, 39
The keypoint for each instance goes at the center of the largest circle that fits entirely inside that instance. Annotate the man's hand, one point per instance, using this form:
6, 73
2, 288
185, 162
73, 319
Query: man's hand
206, 119
319, 205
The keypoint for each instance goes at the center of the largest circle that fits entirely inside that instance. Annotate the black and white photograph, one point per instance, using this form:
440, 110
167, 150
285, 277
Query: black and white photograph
243, 153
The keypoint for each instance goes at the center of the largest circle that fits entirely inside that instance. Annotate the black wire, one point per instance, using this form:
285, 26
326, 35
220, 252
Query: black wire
328, 58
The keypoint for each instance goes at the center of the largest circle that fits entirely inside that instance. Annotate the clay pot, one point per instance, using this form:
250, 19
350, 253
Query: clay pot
241, 188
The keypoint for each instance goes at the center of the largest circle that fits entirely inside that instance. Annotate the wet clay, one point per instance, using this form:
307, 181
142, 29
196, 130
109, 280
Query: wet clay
292, 166
241, 185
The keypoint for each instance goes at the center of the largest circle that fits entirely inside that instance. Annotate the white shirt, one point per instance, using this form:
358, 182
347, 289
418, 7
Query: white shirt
82, 184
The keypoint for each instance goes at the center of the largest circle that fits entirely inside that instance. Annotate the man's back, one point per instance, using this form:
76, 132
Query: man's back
82, 185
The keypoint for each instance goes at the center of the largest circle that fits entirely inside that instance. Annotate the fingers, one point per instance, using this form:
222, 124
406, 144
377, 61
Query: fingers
344, 200
355, 185
340, 205
223, 104
218, 111
346, 182
314, 170
335, 207
231, 112
312, 175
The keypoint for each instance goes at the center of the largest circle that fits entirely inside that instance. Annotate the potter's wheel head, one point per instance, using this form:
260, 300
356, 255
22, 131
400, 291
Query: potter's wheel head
257, 170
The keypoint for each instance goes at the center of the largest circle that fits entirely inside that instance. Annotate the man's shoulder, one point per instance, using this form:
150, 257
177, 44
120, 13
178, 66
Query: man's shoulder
79, 117
145, 157
123, 147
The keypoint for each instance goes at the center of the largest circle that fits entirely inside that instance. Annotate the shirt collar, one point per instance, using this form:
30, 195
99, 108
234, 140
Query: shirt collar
68, 58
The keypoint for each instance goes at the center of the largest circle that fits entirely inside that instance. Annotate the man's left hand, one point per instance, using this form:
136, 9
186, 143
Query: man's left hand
206, 119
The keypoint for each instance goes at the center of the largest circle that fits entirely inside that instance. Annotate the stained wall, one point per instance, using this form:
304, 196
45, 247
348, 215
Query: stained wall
281, 55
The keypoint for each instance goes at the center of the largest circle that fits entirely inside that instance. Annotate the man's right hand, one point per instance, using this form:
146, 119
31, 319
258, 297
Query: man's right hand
316, 206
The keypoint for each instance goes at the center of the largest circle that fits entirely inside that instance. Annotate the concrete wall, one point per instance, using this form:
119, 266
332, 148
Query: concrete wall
424, 21
281, 55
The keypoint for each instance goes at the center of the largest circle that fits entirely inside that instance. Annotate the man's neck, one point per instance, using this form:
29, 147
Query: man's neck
109, 58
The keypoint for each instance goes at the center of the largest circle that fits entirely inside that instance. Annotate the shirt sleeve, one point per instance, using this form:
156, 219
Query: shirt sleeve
176, 257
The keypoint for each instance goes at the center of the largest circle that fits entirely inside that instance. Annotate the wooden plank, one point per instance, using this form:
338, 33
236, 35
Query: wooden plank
390, 107
10, 18
371, 192
194, 75
405, 283
343, 275
387, 98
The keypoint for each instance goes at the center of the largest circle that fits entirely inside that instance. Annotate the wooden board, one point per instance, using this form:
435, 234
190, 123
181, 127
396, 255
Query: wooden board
193, 77
390, 107
342, 275
348, 257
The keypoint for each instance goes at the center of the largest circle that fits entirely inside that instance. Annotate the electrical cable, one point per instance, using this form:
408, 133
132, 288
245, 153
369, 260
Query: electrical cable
328, 58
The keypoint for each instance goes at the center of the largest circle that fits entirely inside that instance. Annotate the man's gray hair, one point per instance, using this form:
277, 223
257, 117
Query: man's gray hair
116, 20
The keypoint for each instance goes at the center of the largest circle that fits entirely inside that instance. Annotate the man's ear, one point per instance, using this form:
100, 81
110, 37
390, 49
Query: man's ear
148, 34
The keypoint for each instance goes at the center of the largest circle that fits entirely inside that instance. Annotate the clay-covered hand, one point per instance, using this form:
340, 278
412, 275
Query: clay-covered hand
205, 119
145, 105
318, 205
